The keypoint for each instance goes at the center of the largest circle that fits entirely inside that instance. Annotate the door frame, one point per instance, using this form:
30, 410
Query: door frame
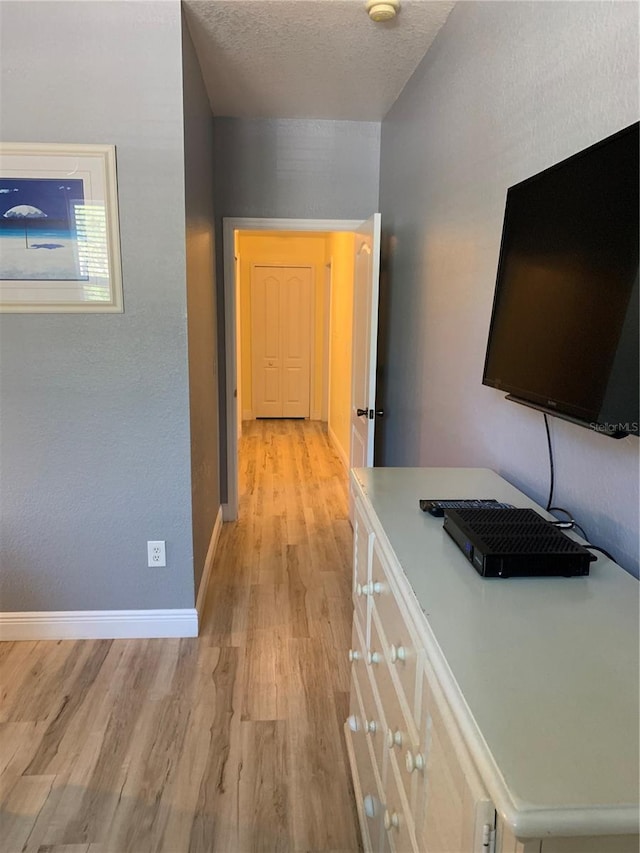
326, 339
229, 226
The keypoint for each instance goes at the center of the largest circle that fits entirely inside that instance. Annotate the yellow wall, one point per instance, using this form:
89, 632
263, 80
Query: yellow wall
283, 248
341, 250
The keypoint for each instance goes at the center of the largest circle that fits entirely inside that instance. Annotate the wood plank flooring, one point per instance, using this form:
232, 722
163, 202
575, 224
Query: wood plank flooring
231, 742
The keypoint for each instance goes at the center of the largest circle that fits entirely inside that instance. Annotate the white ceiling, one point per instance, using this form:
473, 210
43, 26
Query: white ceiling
308, 58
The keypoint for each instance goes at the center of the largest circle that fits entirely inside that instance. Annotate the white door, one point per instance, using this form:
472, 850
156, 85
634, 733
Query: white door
365, 342
280, 341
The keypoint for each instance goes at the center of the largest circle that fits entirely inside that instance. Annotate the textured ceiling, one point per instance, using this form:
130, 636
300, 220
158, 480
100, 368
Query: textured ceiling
308, 58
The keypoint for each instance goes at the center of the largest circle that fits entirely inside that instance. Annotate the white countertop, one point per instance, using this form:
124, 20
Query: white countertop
544, 672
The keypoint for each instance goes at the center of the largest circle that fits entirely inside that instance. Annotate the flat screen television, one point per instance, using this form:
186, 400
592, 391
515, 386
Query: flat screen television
564, 327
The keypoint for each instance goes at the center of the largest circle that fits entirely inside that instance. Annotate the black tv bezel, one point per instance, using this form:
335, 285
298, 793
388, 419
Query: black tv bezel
557, 408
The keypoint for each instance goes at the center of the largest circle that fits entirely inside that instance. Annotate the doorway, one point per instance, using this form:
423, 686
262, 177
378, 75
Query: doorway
281, 340
233, 411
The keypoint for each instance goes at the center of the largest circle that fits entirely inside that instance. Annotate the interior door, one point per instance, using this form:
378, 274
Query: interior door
365, 342
281, 341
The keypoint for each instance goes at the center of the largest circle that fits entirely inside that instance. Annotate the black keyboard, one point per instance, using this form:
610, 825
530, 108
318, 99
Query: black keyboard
437, 508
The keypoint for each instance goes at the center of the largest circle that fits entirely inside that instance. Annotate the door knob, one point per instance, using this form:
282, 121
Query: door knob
369, 806
394, 738
398, 653
363, 413
414, 762
391, 820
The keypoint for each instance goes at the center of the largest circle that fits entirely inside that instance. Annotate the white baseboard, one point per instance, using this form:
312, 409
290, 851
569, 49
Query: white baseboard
98, 624
208, 563
112, 624
338, 447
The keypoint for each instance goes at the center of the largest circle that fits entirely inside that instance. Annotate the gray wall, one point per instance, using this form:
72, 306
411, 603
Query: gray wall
506, 90
297, 168
201, 304
95, 415
291, 168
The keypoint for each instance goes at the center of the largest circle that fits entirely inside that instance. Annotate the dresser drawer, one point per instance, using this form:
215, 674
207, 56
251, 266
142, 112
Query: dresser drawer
398, 641
358, 650
419, 802
452, 805
373, 722
367, 792
396, 821
400, 732
362, 548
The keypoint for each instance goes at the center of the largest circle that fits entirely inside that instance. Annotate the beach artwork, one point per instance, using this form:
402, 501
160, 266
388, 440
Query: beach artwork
39, 229
59, 234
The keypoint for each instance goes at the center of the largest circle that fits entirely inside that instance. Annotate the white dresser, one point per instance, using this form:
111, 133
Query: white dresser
486, 714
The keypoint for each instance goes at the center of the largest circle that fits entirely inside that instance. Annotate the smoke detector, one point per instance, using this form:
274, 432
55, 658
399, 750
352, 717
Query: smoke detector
382, 10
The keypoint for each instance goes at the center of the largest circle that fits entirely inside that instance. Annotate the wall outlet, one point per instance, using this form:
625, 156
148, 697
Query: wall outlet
156, 554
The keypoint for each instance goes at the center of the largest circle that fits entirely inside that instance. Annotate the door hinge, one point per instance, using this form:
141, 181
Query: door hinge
488, 838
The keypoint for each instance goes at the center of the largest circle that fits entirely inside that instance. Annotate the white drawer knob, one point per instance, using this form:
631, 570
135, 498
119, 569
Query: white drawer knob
398, 653
391, 820
414, 762
354, 655
376, 588
353, 723
371, 726
394, 738
369, 806
374, 657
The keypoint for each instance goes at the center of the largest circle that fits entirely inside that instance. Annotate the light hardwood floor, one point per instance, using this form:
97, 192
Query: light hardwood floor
228, 743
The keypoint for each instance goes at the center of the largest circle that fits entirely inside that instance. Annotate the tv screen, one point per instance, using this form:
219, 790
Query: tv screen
564, 326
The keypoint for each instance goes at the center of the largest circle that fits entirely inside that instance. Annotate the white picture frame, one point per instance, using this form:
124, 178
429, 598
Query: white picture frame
59, 232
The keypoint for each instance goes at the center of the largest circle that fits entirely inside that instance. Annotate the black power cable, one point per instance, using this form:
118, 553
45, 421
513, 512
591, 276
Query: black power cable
576, 526
571, 524
551, 471
549, 506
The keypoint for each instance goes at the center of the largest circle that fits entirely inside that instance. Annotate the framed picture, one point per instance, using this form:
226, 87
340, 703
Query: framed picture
59, 234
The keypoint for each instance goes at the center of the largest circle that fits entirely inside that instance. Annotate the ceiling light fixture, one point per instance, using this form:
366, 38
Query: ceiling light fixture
382, 10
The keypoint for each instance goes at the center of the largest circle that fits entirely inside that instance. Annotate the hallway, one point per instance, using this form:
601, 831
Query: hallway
280, 604
228, 743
